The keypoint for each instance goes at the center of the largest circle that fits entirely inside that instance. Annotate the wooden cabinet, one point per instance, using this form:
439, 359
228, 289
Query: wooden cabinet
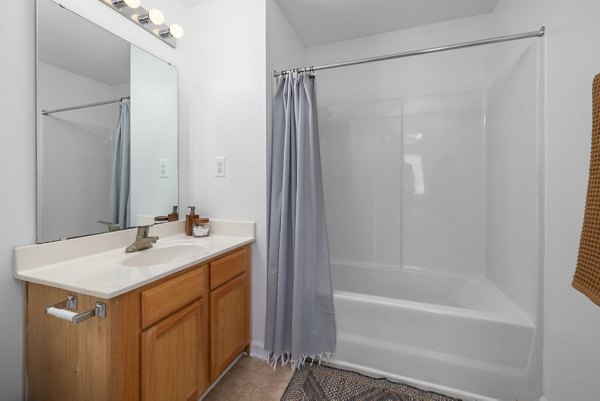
224, 269
94, 360
174, 351
166, 341
229, 310
173, 356
163, 299
228, 327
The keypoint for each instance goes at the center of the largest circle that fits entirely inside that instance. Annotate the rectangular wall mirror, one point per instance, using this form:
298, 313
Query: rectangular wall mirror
106, 131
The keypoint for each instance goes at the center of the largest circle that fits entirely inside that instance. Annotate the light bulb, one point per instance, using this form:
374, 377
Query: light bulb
133, 3
176, 31
126, 3
156, 16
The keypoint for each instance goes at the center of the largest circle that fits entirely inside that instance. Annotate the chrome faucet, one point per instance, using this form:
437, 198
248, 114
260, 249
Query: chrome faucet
142, 240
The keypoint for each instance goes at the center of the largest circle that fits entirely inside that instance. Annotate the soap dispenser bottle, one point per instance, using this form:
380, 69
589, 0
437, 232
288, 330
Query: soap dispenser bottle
189, 220
173, 216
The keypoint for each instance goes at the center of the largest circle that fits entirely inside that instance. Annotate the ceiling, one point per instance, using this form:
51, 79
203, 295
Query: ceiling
325, 21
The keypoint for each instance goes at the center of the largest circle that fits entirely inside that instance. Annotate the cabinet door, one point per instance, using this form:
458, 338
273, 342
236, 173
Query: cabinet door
228, 323
174, 356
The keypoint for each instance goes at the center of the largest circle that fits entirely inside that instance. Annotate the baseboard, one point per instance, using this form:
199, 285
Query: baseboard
218, 379
257, 350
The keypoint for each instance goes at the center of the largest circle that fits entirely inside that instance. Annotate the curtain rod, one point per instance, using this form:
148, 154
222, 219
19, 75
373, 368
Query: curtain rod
538, 33
46, 112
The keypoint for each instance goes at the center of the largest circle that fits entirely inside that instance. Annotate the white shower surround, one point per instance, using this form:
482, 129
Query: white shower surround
451, 333
441, 248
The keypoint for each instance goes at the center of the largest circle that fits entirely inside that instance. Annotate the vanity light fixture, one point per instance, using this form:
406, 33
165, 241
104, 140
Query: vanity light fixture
155, 16
152, 21
175, 30
126, 3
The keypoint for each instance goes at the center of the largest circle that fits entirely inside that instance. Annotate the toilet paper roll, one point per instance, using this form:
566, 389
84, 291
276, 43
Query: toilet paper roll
61, 313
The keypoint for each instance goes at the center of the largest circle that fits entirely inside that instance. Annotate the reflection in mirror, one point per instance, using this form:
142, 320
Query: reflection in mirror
107, 129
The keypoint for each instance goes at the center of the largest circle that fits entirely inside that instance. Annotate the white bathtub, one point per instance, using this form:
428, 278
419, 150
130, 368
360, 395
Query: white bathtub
455, 334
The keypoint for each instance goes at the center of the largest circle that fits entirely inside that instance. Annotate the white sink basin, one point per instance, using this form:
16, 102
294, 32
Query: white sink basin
162, 254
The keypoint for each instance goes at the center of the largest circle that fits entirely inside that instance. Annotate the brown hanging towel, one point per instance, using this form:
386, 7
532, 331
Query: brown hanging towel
587, 273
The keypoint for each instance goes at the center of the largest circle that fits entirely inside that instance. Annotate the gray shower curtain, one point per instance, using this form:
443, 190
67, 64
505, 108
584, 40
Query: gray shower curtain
300, 320
119, 191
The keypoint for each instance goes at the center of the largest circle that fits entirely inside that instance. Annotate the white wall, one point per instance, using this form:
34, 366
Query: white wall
17, 203
285, 50
571, 356
227, 118
17, 122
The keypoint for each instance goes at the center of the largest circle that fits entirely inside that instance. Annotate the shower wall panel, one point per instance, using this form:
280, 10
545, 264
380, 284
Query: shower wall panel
361, 144
403, 181
381, 178
443, 187
513, 178
348, 148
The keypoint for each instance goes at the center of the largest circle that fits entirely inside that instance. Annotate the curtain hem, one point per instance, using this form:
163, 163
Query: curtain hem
297, 363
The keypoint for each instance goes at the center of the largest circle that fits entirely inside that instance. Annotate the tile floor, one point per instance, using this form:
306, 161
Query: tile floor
251, 379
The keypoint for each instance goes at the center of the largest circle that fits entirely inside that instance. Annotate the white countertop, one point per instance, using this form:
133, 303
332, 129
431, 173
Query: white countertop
107, 273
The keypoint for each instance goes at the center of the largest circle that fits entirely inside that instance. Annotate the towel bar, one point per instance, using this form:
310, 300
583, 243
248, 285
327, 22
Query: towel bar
60, 311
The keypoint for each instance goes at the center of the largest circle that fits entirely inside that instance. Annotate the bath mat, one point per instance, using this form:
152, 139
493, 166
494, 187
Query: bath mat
587, 273
322, 383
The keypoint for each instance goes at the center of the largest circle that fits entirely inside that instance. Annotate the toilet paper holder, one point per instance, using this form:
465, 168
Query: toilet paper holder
71, 303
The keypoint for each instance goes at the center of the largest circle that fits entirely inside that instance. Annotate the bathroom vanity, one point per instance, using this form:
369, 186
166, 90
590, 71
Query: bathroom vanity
158, 324
172, 324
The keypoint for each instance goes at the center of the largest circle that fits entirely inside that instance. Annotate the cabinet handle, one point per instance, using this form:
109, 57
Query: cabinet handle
60, 311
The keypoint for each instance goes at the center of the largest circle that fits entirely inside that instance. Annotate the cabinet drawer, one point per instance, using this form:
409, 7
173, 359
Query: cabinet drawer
226, 268
166, 298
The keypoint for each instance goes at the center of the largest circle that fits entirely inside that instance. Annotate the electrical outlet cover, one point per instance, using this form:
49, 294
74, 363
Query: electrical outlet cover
220, 166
